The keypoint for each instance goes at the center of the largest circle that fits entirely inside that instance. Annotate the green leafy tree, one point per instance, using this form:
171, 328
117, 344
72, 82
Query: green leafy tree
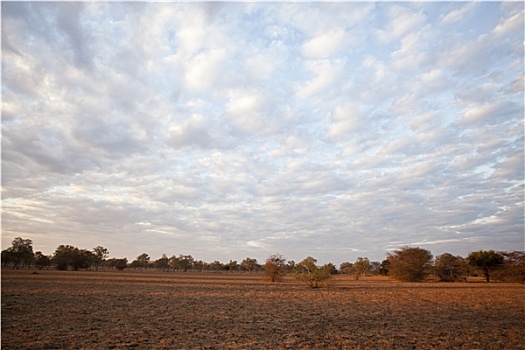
216, 266
450, 268
274, 267
250, 265
384, 267
290, 266
200, 265
120, 264
142, 261
308, 264
346, 268
232, 266
332, 270
68, 256
185, 262
100, 254
361, 267
486, 261
42, 260
410, 264
314, 276
162, 263
20, 252
7, 257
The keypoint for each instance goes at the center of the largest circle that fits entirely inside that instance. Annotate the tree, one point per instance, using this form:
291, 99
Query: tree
232, 265
314, 276
142, 261
375, 267
185, 262
121, 264
42, 260
68, 256
513, 267
7, 256
361, 267
346, 268
274, 267
410, 264
384, 267
486, 261
308, 264
332, 270
200, 265
101, 254
20, 252
216, 266
162, 263
250, 265
450, 268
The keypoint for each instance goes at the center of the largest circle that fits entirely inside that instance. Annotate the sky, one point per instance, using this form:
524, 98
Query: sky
234, 130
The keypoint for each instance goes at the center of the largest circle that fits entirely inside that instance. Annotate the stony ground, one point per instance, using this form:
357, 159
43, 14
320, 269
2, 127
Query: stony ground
159, 310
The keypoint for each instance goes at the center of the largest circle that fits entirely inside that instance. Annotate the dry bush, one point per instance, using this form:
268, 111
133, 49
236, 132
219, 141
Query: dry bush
274, 268
410, 264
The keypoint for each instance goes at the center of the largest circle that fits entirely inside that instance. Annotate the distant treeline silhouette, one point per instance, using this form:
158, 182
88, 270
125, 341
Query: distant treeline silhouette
410, 264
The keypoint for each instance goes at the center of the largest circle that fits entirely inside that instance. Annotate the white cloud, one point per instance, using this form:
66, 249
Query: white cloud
458, 14
324, 45
325, 73
233, 130
205, 69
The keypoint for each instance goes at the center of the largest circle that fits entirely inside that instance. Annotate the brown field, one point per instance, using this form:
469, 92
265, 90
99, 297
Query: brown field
159, 310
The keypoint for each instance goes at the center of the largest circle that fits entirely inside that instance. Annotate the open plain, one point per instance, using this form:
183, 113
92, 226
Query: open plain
161, 310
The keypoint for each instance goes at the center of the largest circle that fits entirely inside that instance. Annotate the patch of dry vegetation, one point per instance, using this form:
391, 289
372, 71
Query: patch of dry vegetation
131, 310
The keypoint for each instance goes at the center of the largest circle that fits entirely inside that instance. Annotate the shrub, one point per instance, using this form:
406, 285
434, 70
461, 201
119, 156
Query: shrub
274, 268
314, 276
410, 264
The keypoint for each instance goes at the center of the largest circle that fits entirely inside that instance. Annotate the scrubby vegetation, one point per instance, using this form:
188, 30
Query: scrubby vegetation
408, 264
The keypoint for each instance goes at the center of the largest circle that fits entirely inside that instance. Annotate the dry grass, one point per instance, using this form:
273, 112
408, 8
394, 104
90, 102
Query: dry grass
153, 310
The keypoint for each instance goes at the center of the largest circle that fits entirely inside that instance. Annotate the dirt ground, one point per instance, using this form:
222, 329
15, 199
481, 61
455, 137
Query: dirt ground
160, 310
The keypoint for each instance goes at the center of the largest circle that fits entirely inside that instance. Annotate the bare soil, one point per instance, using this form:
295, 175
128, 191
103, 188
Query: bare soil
160, 310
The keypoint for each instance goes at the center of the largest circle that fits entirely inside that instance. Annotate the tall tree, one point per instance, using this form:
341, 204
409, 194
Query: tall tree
21, 251
142, 261
410, 264
361, 267
101, 254
486, 261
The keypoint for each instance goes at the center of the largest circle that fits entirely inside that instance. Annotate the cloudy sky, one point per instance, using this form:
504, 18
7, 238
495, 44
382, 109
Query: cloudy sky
233, 130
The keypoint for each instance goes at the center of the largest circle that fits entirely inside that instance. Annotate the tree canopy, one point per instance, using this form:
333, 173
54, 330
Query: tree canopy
410, 264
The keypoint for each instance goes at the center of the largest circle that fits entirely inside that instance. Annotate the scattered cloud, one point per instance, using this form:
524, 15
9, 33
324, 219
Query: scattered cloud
227, 130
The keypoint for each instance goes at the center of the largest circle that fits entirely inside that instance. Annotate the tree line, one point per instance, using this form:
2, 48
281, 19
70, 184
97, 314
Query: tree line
408, 264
